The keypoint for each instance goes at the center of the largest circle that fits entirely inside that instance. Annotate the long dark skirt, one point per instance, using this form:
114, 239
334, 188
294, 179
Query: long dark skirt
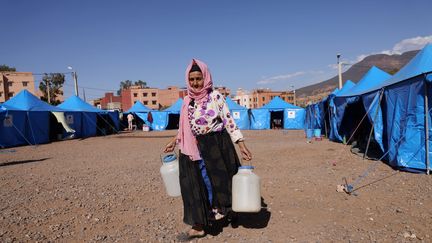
221, 161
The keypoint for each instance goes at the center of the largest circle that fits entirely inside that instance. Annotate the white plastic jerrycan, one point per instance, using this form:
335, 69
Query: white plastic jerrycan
170, 175
246, 193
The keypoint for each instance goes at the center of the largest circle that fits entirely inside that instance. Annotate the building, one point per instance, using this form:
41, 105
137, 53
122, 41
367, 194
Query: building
261, 97
223, 90
243, 98
109, 102
11, 83
151, 97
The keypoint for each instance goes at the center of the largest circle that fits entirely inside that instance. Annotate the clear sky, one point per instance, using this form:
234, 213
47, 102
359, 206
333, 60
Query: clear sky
247, 44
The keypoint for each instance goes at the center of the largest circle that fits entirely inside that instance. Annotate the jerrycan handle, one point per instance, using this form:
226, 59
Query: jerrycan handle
164, 155
249, 164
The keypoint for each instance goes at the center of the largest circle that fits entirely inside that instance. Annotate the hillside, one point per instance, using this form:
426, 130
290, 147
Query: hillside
388, 63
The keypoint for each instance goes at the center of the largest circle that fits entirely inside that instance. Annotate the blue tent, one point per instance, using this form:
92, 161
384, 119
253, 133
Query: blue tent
317, 115
239, 113
138, 107
403, 109
165, 119
81, 116
350, 102
142, 111
25, 119
175, 108
168, 118
293, 116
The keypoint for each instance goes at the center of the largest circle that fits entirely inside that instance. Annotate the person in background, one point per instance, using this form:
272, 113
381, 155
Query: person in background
130, 119
207, 157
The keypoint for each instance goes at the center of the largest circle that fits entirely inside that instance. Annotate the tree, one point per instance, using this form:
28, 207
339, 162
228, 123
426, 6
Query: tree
6, 68
142, 84
124, 85
127, 83
55, 83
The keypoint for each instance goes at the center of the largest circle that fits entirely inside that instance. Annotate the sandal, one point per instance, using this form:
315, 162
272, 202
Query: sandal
191, 234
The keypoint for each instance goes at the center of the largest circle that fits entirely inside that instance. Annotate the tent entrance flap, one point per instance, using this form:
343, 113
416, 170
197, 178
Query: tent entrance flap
173, 121
276, 119
356, 129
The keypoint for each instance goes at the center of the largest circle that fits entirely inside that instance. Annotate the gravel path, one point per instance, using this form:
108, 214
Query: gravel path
109, 189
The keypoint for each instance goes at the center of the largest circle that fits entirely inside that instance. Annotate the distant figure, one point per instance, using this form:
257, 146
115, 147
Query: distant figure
150, 117
130, 119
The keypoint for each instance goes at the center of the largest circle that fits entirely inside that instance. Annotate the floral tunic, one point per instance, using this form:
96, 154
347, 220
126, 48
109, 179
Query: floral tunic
213, 116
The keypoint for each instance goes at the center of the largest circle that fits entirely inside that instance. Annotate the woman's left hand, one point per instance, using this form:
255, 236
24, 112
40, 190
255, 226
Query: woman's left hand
246, 154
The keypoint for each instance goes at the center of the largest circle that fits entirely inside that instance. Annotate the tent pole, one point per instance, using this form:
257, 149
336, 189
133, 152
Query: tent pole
325, 122
373, 123
426, 105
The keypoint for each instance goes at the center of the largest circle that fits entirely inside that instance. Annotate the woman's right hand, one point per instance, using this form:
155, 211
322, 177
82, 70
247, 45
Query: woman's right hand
170, 146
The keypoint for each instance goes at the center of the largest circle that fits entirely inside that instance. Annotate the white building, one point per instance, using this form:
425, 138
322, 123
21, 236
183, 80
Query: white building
243, 98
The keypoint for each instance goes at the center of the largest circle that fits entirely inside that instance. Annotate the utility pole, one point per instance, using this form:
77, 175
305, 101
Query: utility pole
74, 76
294, 94
48, 90
76, 82
84, 95
339, 70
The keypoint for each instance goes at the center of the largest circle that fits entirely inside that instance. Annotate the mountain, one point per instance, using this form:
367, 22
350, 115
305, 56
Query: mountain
389, 63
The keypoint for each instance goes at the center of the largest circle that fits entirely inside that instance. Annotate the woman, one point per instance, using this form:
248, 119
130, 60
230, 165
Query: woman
207, 159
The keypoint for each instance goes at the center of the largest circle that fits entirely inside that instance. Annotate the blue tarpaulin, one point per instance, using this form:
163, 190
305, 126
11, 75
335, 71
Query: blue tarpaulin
239, 113
175, 108
334, 134
403, 112
142, 111
260, 119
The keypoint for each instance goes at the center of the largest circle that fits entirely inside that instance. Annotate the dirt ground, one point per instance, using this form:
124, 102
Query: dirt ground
110, 189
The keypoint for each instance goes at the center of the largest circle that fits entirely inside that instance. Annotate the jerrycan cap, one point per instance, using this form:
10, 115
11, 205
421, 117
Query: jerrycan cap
169, 158
246, 167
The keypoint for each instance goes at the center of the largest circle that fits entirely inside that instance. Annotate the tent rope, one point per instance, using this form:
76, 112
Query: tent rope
350, 188
361, 121
108, 123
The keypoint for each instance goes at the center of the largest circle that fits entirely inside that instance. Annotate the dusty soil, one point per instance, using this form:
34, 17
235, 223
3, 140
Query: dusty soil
109, 189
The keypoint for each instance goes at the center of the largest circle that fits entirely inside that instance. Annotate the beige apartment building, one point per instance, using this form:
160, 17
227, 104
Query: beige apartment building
261, 97
11, 83
153, 98
243, 98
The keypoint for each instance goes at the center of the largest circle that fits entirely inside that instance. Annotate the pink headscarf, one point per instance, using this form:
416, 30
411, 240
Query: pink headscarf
187, 141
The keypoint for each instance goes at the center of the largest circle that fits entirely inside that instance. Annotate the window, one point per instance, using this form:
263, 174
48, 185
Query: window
25, 83
153, 94
11, 94
135, 94
10, 84
263, 98
153, 102
1, 94
145, 102
144, 94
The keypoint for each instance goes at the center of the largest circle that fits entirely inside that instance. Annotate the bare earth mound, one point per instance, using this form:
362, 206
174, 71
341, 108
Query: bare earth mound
109, 189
